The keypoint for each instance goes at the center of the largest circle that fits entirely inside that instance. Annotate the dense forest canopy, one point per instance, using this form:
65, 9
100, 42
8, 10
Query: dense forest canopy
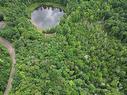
85, 55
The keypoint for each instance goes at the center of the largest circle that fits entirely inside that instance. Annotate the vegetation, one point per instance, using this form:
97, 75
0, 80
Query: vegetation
116, 20
87, 56
5, 64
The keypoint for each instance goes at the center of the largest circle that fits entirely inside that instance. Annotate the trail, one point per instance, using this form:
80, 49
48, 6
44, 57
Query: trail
11, 52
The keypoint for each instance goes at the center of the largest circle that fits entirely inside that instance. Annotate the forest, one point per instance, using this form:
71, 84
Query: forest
86, 54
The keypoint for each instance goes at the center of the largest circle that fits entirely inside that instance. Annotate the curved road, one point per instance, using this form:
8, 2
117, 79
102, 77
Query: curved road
11, 52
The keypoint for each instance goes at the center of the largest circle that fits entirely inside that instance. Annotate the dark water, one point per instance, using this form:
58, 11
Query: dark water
46, 18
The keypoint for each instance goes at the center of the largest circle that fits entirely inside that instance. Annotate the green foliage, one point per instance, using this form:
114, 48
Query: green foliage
83, 58
116, 20
5, 64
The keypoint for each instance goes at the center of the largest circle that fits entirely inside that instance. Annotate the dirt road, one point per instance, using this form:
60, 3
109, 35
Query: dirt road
11, 52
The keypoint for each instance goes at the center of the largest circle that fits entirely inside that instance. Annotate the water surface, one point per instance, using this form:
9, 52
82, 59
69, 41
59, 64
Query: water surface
46, 18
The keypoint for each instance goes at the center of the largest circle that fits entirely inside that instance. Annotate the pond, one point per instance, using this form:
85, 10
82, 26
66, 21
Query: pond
46, 18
